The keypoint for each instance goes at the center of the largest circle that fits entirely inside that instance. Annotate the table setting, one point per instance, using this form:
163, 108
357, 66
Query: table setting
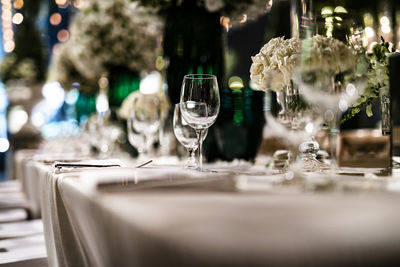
178, 142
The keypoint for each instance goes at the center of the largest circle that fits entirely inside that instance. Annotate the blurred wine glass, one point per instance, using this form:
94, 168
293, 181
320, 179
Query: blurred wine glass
199, 104
186, 135
144, 123
330, 81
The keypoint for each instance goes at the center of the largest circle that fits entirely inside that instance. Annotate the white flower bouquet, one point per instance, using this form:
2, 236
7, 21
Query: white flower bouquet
272, 66
327, 55
104, 35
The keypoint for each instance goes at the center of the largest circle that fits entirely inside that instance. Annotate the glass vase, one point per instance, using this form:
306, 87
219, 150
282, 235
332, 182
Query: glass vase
384, 97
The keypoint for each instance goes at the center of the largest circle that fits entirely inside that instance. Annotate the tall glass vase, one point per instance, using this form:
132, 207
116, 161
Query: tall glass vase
384, 97
301, 18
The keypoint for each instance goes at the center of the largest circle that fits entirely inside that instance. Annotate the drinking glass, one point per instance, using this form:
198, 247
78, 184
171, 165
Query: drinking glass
186, 135
144, 123
330, 93
199, 104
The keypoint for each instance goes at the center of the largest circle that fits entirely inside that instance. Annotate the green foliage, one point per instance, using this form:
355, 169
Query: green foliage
378, 79
297, 104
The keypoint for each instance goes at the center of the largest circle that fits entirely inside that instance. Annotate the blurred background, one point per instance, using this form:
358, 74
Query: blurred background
57, 57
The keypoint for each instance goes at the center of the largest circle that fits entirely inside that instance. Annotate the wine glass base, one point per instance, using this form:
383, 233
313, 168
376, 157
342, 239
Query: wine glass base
204, 170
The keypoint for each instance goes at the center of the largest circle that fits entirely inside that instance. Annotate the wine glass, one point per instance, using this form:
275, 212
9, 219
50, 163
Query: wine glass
199, 104
331, 77
144, 123
186, 135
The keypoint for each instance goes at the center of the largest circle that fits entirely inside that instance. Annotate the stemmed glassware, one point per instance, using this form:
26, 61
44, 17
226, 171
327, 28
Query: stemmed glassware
329, 82
144, 123
186, 135
199, 104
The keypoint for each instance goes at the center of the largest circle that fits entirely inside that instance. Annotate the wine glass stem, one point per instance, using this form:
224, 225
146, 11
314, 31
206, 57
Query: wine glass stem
333, 141
191, 163
200, 141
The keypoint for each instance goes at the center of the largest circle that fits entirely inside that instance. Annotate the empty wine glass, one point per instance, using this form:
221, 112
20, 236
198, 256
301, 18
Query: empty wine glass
186, 135
144, 123
331, 77
199, 104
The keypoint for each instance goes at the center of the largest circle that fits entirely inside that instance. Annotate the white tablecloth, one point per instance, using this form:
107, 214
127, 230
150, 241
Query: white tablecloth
124, 224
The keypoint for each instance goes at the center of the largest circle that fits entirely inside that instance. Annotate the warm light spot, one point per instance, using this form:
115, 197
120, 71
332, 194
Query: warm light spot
340, 9
160, 63
8, 35
63, 35
18, 4
326, 10
6, 14
55, 19
384, 21
18, 18
61, 2
9, 46
369, 32
368, 19
225, 22
235, 83
244, 19
80, 3
386, 29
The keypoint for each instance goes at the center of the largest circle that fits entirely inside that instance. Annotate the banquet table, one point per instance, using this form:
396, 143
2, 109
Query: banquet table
167, 216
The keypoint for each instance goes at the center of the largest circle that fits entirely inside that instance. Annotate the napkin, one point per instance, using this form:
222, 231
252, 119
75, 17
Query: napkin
157, 178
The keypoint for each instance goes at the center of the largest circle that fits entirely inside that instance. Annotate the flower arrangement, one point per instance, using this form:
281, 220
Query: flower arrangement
272, 66
378, 79
104, 35
327, 55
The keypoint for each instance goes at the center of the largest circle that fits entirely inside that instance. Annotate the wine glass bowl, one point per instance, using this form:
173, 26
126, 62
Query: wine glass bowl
186, 135
144, 122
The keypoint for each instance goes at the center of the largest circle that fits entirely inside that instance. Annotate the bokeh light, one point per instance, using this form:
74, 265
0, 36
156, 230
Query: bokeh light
384, 20
18, 4
72, 97
18, 18
8, 35
53, 94
61, 2
151, 84
63, 35
9, 46
102, 103
4, 145
17, 118
55, 19
369, 32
